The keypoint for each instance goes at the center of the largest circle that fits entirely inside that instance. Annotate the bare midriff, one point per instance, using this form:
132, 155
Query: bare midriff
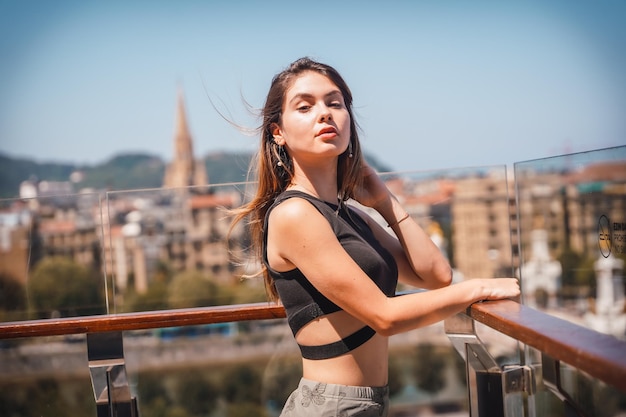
363, 366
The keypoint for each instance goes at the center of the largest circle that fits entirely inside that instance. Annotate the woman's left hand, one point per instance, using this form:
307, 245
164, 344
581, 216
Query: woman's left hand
373, 191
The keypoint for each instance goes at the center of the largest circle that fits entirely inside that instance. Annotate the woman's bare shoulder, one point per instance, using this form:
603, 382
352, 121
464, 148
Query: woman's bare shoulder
292, 208
295, 212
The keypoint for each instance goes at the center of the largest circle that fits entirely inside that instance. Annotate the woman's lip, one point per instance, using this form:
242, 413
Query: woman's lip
327, 131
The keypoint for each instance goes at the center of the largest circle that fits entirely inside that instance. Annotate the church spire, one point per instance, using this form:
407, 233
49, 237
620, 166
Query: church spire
184, 170
183, 146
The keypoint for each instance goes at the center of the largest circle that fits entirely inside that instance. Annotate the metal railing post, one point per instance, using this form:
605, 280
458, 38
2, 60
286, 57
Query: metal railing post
493, 391
105, 352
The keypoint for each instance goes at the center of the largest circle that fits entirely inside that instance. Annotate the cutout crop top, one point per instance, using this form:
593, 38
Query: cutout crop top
304, 303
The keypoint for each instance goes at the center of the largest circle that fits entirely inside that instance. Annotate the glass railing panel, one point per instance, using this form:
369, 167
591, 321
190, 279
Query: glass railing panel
245, 369
172, 248
469, 214
571, 213
51, 257
572, 229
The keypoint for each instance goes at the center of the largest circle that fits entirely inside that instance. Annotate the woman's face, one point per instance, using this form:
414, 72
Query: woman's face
315, 120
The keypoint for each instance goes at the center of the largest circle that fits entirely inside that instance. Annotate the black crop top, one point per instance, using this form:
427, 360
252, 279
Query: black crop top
304, 303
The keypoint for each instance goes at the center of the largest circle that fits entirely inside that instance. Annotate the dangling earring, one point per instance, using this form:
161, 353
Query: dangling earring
350, 155
279, 153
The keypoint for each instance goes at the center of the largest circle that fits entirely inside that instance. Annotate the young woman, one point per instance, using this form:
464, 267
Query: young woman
334, 268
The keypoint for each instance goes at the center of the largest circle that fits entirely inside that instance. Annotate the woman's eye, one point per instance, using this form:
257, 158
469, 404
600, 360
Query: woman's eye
336, 104
303, 108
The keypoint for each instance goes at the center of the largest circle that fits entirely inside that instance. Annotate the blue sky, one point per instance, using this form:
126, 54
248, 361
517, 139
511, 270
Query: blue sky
437, 84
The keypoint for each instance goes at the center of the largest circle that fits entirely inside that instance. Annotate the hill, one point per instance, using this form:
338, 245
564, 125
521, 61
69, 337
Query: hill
123, 172
14, 170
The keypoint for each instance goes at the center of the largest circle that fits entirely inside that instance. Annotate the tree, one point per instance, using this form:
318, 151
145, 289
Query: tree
280, 379
570, 262
249, 291
196, 394
36, 244
193, 289
155, 298
12, 298
429, 368
245, 410
153, 395
242, 384
59, 284
585, 273
396, 380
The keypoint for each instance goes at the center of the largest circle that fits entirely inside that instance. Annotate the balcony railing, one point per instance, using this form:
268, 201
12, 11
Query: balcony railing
558, 341
140, 321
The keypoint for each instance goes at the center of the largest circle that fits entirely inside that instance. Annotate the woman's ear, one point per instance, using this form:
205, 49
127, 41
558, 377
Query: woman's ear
277, 134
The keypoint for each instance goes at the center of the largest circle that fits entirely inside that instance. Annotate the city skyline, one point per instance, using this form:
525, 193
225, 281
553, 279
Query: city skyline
435, 84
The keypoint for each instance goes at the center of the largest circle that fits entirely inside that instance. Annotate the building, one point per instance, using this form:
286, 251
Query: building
15, 223
483, 224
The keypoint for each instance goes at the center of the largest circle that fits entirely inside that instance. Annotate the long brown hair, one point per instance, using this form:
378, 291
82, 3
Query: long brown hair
273, 167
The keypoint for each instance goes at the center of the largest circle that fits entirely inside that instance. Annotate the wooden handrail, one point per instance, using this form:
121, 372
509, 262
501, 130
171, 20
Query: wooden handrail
600, 355
141, 320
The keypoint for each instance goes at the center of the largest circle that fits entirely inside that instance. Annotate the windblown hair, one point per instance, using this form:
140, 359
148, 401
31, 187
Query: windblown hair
273, 178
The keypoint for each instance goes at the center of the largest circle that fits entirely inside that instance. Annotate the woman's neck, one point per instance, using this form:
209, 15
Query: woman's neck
320, 183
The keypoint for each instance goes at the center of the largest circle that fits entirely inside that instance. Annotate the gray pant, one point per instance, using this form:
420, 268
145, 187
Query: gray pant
318, 399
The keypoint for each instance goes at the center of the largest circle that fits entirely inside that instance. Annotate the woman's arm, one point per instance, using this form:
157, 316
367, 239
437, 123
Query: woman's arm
299, 236
420, 262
